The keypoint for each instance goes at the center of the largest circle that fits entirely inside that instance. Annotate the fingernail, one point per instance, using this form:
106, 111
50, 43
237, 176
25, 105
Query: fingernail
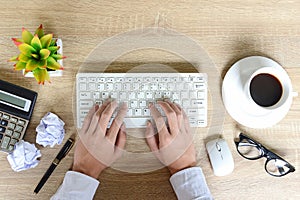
150, 104
148, 123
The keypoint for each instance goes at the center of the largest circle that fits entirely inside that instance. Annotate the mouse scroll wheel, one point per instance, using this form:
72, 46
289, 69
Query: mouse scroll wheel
218, 147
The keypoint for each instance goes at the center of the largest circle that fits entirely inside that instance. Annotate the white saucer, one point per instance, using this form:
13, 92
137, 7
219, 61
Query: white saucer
234, 97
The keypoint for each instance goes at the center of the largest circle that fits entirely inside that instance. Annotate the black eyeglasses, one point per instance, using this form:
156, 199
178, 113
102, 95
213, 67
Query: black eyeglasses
252, 150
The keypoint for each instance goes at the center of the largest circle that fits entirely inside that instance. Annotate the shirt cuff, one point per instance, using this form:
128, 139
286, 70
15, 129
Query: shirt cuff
190, 184
76, 186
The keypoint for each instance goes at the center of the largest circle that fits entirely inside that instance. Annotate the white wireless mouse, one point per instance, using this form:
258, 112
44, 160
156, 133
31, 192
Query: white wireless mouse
220, 157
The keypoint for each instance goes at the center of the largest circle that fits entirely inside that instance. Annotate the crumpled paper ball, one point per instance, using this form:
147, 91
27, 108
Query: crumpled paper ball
50, 131
24, 156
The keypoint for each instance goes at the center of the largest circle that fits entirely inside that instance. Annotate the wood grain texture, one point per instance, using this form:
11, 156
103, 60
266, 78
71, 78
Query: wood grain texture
227, 30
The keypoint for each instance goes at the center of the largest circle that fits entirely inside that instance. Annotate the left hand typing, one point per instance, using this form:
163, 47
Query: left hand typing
98, 147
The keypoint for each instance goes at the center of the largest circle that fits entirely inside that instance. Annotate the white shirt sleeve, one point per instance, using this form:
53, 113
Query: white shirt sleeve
76, 186
190, 184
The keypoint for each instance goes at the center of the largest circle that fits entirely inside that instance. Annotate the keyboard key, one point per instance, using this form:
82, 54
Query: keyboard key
96, 95
2, 129
109, 86
143, 104
14, 120
92, 86
118, 86
82, 79
5, 142
141, 95
133, 104
127, 86
92, 79
4, 122
114, 95
123, 95
105, 95
8, 132
13, 141
82, 87
11, 125
85, 95
10, 148
201, 95
100, 86
101, 79
137, 112
199, 86
197, 103
131, 95
21, 122
16, 135
194, 111
19, 128
86, 104
5, 116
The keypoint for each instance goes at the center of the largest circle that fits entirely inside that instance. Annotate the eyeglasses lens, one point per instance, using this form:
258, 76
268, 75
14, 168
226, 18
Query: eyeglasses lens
277, 167
249, 149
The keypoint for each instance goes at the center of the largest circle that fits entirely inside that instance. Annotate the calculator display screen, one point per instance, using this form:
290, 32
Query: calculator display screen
13, 100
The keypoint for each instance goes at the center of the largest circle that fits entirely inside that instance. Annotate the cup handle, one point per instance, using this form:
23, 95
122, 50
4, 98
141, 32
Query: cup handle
295, 94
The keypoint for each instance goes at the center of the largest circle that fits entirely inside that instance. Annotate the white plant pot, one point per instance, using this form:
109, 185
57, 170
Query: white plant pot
51, 73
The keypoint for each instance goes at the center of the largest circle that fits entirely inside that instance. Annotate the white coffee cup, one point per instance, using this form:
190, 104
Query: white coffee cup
258, 90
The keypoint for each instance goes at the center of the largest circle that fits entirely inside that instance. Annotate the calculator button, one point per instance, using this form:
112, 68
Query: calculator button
6, 116
10, 148
1, 136
5, 142
11, 125
13, 141
21, 122
2, 129
16, 135
14, 120
3, 122
8, 132
19, 128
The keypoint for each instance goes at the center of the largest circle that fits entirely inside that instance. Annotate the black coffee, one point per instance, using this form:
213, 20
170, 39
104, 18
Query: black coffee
265, 89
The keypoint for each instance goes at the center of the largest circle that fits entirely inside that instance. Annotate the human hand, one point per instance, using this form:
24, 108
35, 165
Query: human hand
174, 146
98, 147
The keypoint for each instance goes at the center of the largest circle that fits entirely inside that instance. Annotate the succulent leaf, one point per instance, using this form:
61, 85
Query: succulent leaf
23, 58
32, 65
52, 64
26, 36
13, 59
36, 43
17, 41
19, 65
58, 56
36, 56
41, 75
53, 42
26, 49
44, 53
42, 64
46, 40
40, 31
53, 49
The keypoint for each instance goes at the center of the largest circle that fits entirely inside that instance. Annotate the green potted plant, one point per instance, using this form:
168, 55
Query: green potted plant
40, 55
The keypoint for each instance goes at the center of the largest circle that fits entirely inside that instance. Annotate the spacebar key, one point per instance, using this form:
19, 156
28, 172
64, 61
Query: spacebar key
136, 122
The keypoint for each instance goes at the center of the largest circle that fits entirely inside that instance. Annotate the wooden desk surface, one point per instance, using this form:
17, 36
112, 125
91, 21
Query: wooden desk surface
227, 30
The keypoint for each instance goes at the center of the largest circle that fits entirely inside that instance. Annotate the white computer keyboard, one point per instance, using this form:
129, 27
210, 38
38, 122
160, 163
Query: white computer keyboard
189, 90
